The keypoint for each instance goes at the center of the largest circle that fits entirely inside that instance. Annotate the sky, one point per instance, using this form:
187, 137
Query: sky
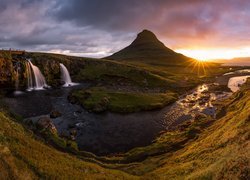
203, 29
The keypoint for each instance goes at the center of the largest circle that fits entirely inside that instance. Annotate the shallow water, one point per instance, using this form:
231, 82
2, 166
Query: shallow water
107, 133
199, 101
234, 83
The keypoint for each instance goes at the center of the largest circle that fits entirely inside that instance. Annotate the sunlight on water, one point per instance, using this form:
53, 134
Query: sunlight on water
234, 83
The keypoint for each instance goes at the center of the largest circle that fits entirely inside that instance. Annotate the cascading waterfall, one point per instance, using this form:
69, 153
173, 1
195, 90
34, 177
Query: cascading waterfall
65, 76
36, 80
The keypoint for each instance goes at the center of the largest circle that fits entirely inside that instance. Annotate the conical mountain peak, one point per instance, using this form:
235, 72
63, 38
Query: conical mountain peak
147, 47
145, 36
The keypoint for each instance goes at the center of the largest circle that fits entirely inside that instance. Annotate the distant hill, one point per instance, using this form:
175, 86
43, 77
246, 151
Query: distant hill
148, 49
241, 61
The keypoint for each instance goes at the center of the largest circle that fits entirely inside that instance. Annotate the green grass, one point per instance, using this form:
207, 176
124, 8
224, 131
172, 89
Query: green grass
23, 156
109, 72
101, 99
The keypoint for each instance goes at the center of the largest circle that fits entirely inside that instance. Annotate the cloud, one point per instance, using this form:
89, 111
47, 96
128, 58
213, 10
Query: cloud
97, 27
184, 21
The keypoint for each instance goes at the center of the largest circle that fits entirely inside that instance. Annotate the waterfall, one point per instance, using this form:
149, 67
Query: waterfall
65, 76
36, 80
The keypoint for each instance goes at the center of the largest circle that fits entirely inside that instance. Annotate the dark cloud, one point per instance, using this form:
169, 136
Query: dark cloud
114, 14
95, 27
181, 23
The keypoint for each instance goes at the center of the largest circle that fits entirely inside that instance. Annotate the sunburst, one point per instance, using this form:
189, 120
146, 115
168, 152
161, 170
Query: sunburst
200, 67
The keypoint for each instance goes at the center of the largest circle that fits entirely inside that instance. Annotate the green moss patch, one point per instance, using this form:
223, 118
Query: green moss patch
101, 99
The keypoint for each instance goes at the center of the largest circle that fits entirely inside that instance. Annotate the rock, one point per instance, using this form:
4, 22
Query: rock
47, 124
73, 134
72, 125
55, 114
200, 116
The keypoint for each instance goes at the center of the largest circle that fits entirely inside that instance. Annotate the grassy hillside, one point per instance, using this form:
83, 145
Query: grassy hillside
105, 72
96, 70
222, 151
204, 149
23, 156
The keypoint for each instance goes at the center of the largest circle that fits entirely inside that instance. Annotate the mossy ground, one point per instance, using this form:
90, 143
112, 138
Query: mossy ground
102, 99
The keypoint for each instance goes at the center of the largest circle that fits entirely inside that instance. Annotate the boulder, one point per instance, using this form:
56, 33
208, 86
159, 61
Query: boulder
55, 114
47, 124
73, 134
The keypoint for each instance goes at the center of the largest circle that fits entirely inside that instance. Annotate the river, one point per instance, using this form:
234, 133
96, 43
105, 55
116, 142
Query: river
107, 133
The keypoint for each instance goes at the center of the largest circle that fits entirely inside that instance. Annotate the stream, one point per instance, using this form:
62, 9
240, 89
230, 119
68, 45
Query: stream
108, 133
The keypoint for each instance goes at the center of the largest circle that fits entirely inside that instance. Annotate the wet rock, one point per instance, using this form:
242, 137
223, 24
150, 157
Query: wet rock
71, 126
55, 114
209, 111
80, 124
199, 116
73, 134
47, 124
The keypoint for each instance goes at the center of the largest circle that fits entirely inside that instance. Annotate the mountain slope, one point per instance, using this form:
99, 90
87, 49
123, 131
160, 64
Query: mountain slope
146, 47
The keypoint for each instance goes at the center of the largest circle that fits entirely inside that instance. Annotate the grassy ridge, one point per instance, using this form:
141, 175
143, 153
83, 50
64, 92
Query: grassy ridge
97, 70
147, 74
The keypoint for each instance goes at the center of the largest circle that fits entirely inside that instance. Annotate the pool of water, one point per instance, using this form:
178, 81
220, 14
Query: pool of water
235, 83
107, 133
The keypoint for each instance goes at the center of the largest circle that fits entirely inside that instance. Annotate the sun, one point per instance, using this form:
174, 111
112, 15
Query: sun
199, 66
202, 60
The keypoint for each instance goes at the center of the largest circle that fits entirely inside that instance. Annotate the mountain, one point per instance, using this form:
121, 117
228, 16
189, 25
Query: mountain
147, 48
